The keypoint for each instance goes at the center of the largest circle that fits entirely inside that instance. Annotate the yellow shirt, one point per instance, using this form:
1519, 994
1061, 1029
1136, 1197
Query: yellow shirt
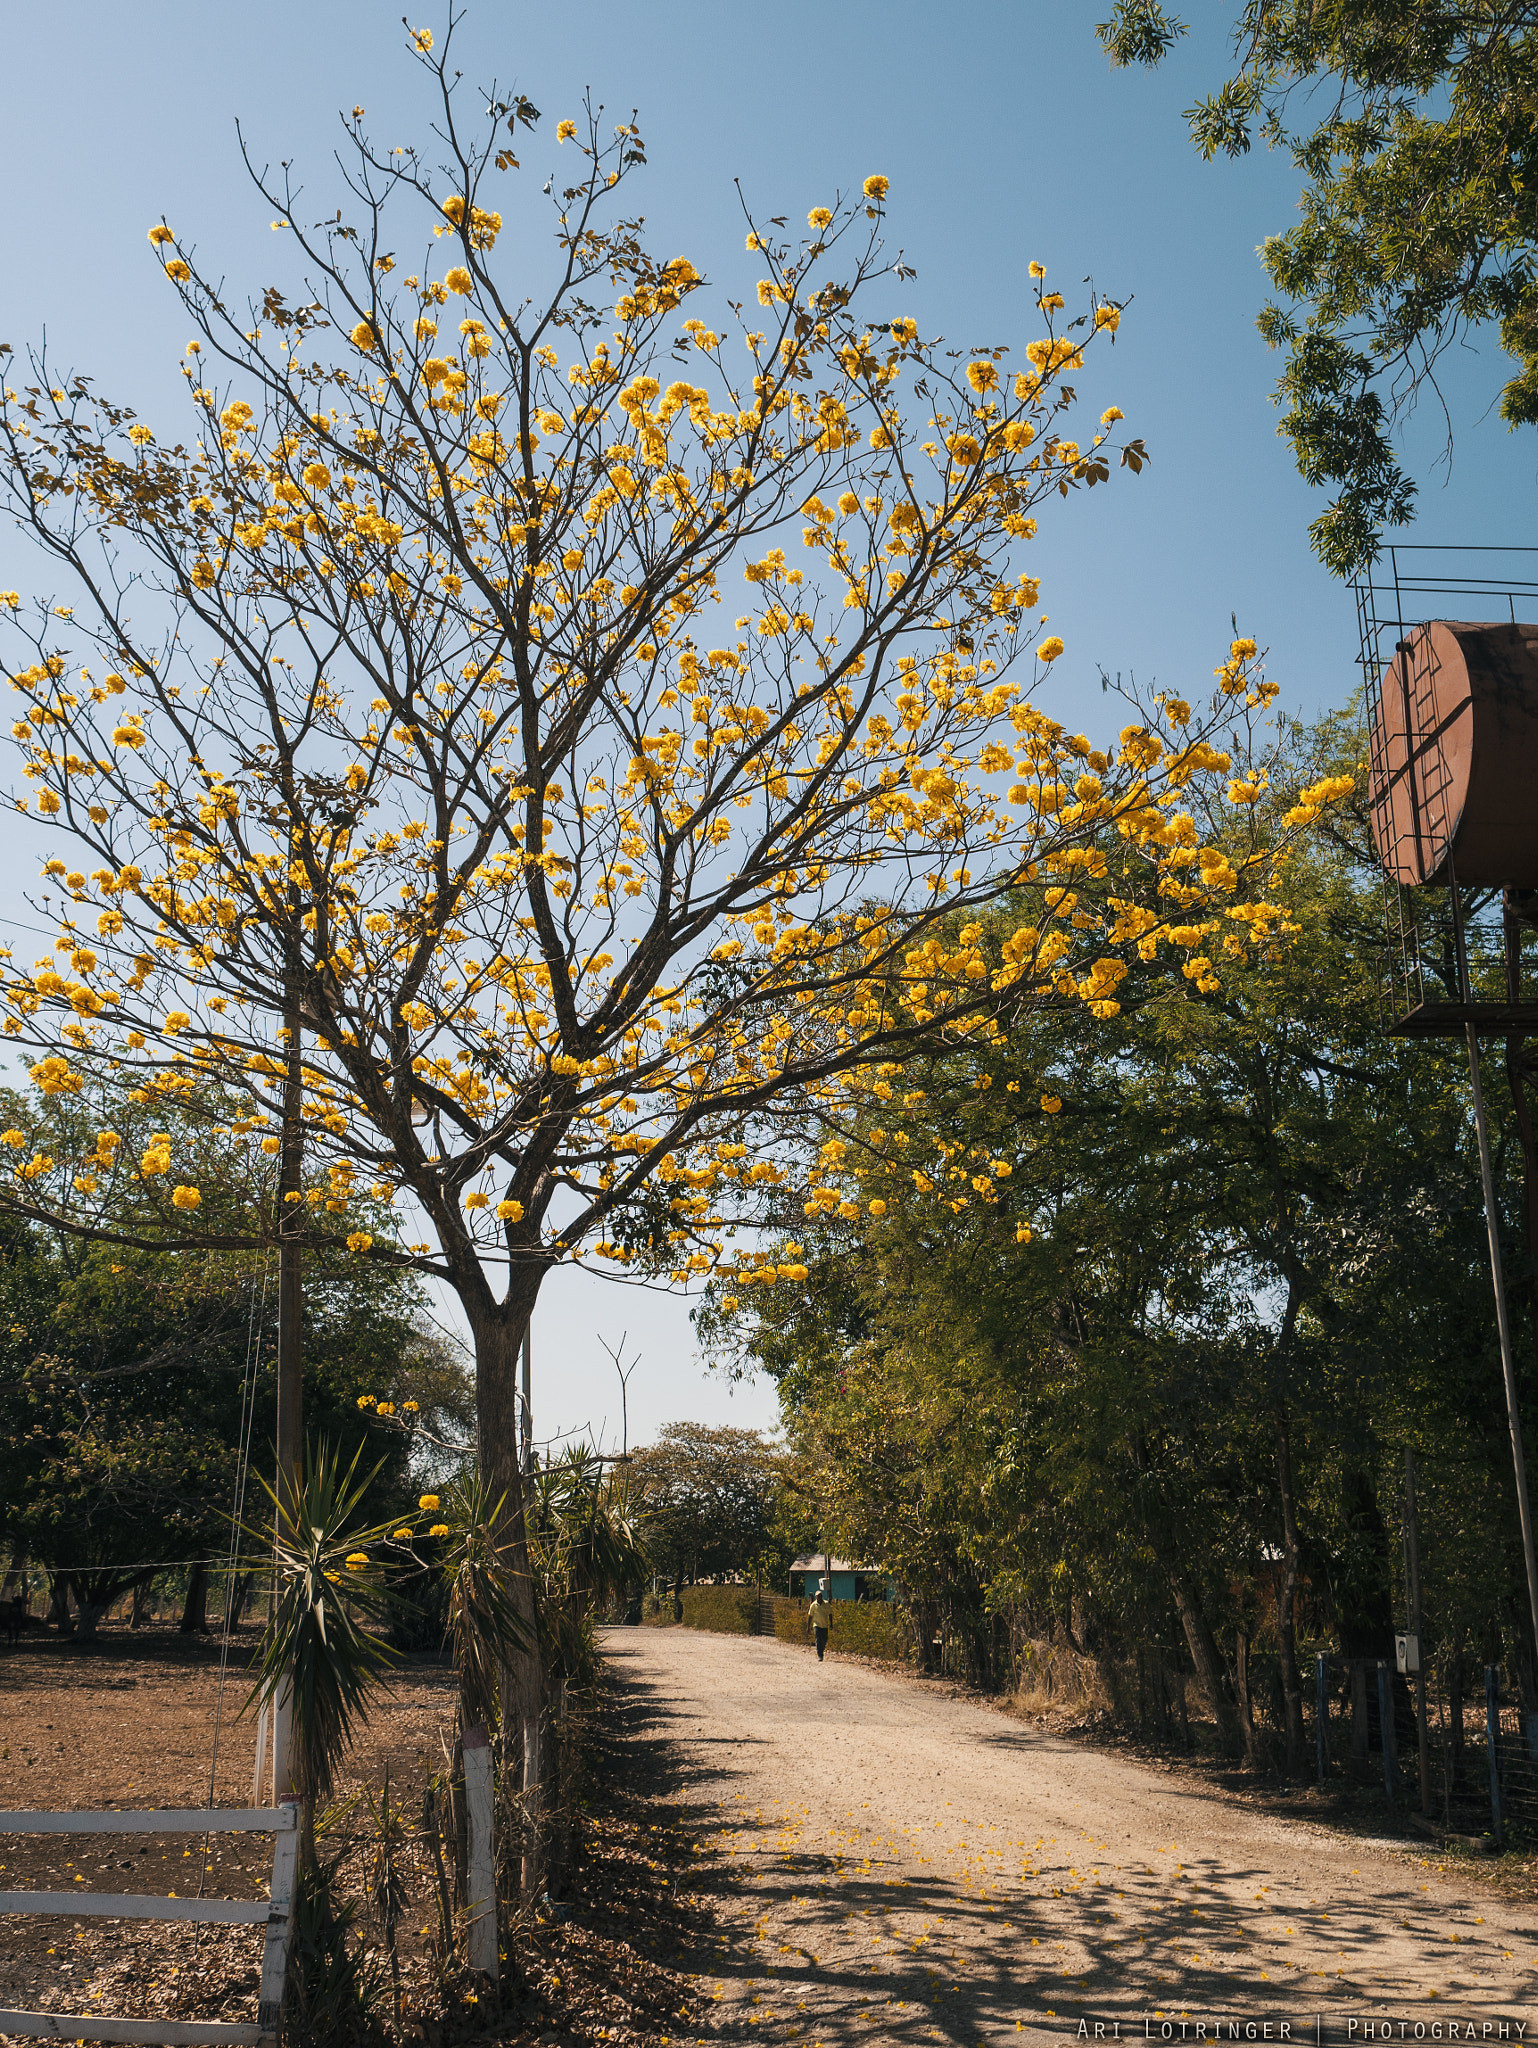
822, 1613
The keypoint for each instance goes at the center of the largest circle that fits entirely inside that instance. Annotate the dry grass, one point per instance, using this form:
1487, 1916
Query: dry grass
1062, 1688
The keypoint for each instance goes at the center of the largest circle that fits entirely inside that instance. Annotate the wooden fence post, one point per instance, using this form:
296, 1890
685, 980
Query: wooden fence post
280, 1925
263, 1720
282, 1722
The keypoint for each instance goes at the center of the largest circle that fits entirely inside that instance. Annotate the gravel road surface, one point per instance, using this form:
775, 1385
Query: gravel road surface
904, 1865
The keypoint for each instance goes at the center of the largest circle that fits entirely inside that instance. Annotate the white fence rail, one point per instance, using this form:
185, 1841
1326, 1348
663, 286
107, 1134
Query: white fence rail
282, 1822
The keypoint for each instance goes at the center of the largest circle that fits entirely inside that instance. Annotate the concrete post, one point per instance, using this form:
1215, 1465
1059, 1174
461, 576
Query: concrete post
482, 1860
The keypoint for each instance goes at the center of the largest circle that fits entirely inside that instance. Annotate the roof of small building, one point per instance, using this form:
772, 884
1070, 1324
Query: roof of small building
821, 1564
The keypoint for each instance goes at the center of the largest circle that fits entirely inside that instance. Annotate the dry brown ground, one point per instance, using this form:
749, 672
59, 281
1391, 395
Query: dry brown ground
131, 1722
775, 1850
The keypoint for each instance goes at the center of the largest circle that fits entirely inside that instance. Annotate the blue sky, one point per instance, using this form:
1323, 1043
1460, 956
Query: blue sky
1006, 137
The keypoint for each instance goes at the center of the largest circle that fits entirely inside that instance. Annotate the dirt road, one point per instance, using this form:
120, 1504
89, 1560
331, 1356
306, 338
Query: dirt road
912, 1867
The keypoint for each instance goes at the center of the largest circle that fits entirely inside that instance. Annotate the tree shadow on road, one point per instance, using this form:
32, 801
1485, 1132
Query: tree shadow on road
857, 1935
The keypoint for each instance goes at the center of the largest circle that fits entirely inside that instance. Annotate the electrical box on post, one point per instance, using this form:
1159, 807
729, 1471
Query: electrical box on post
1407, 1649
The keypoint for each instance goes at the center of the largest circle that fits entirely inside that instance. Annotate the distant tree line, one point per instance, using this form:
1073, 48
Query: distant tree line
713, 1502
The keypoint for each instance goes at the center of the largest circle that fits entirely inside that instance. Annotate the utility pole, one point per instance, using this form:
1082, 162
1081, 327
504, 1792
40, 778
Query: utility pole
528, 1401
290, 1223
290, 1220
1503, 1327
1413, 1601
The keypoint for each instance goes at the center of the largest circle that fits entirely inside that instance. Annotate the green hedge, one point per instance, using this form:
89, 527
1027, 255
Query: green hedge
725, 1610
861, 1628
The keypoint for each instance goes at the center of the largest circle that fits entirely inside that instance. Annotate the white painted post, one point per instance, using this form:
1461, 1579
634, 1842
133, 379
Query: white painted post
280, 1926
482, 1856
282, 1774
261, 1743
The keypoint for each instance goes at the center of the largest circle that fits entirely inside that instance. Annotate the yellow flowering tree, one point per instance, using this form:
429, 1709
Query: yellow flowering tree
518, 736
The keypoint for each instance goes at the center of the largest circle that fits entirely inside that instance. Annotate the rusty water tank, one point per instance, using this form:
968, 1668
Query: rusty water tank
1454, 781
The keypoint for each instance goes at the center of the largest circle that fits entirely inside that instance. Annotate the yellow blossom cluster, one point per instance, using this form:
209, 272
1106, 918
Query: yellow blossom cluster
465, 827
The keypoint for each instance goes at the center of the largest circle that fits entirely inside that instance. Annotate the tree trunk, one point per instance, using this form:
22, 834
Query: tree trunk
1361, 1735
1246, 1705
1455, 1721
141, 1595
1287, 1601
58, 1603
236, 1593
1073, 1642
1142, 1719
195, 1608
926, 1623
498, 1341
558, 1801
1161, 1697
1205, 1656
1367, 1610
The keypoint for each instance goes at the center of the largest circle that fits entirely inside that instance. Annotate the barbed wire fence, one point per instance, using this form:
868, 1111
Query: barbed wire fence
1476, 1774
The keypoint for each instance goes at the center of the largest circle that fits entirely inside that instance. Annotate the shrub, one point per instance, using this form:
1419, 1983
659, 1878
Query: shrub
724, 1610
860, 1628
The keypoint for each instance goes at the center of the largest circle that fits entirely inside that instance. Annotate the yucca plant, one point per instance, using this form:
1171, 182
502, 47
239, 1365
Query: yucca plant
319, 1647
487, 1625
386, 1885
586, 1547
336, 1990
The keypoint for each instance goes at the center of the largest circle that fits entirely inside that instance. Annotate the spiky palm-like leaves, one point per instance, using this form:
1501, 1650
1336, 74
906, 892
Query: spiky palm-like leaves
319, 1647
486, 1626
587, 1546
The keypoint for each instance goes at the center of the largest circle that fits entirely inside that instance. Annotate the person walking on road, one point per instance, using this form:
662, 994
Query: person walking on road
822, 1615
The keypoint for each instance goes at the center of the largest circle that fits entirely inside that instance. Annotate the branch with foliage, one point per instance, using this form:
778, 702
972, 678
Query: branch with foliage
1121, 1332
1420, 213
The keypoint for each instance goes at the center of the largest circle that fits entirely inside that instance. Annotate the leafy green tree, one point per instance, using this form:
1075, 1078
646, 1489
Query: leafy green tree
1418, 147
706, 1499
123, 1379
1125, 1332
